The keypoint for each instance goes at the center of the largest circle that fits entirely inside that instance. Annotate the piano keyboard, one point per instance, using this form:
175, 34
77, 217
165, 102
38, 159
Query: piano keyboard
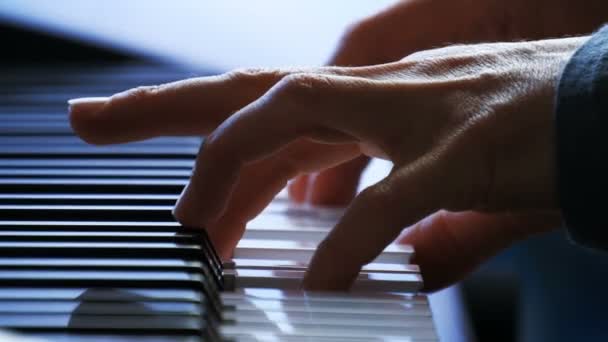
89, 250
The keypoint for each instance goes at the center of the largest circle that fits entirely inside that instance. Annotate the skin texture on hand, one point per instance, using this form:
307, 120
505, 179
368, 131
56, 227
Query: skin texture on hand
383, 38
468, 128
405, 28
415, 25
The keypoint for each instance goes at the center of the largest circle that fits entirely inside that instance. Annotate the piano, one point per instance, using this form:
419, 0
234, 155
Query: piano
89, 250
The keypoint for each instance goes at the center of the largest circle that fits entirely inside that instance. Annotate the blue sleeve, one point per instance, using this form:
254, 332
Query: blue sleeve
582, 143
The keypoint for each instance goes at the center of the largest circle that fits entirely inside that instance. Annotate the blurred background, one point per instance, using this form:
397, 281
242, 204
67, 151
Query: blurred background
543, 289
211, 34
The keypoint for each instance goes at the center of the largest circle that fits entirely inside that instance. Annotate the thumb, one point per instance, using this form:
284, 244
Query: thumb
450, 245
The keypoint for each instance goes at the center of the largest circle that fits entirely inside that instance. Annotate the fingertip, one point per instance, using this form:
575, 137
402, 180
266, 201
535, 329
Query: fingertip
192, 209
204, 199
331, 268
183, 211
84, 117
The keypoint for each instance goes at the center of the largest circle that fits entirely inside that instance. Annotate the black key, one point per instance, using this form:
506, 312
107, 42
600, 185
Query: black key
101, 249
57, 244
98, 236
133, 306
88, 186
93, 173
87, 232
88, 199
104, 323
112, 279
101, 264
101, 294
62, 141
27, 151
87, 212
96, 226
83, 337
97, 163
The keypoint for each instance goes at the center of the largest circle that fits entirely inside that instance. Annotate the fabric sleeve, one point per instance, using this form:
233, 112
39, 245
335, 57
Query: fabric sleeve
582, 142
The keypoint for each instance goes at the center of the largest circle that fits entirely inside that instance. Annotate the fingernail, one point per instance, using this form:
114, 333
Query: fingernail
86, 104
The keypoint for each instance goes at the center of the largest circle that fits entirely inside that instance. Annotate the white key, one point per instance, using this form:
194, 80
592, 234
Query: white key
286, 221
299, 266
365, 282
302, 252
343, 318
311, 235
326, 297
327, 330
273, 337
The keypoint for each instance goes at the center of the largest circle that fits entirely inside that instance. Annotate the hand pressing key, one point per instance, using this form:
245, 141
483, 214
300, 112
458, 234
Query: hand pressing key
468, 128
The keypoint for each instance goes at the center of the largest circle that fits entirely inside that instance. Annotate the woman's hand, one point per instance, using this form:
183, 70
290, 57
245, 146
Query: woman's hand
467, 128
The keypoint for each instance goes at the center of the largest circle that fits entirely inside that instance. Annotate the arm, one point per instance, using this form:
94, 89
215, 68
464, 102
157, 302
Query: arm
581, 121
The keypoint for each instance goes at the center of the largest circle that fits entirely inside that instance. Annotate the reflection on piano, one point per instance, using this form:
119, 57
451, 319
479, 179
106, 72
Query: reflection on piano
89, 250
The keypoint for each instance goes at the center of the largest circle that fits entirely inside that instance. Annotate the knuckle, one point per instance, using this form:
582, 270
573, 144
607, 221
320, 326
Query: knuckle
209, 147
136, 96
216, 150
300, 81
243, 73
304, 85
253, 76
420, 55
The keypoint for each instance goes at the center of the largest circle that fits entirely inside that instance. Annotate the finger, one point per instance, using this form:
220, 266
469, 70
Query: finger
374, 220
257, 185
298, 188
448, 246
190, 107
256, 132
337, 186
261, 181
